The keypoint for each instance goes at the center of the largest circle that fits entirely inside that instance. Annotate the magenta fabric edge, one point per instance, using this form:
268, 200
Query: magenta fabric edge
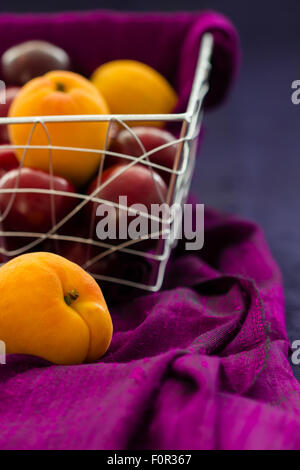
201, 21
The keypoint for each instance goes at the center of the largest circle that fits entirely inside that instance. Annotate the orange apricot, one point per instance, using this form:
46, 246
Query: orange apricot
132, 87
53, 309
60, 93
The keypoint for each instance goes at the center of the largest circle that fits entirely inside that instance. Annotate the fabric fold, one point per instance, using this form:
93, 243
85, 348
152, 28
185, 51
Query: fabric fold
202, 364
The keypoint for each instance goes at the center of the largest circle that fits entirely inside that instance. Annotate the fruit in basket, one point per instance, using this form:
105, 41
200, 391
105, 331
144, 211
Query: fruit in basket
118, 264
80, 253
31, 211
10, 95
151, 138
53, 309
131, 87
138, 183
8, 160
61, 93
31, 59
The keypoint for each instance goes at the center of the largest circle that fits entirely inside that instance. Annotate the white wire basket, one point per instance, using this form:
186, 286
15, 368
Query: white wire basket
141, 268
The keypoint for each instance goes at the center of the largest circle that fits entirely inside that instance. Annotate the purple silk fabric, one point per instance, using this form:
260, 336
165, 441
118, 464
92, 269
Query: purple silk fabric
203, 364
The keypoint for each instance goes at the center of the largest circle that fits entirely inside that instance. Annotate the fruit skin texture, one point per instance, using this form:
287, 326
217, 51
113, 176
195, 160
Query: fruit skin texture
61, 93
31, 212
35, 318
8, 161
131, 87
11, 93
138, 183
31, 59
151, 138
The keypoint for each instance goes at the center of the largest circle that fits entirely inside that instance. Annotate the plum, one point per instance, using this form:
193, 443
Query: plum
30, 211
139, 184
8, 161
31, 59
151, 138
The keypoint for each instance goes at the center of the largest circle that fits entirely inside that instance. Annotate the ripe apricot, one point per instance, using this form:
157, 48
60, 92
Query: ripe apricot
51, 308
131, 87
61, 93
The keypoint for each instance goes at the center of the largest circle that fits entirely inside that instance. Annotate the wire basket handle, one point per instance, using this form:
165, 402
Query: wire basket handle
201, 74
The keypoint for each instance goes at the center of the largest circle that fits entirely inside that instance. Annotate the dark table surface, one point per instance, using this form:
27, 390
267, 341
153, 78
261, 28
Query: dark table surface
249, 164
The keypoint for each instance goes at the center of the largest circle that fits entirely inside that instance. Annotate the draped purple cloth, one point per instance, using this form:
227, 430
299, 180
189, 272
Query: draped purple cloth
202, 364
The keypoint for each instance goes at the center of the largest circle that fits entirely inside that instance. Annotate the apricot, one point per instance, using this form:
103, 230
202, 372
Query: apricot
53, 309
132, 87
60, 93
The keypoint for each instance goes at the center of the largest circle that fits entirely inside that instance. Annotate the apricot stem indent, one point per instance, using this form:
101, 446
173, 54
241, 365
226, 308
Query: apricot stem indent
60, 87
71, 296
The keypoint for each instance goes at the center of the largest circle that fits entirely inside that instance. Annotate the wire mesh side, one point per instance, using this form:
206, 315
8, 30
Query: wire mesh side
179, 182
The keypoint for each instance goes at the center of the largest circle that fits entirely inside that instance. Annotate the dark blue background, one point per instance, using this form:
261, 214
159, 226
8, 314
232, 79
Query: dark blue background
250, 162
